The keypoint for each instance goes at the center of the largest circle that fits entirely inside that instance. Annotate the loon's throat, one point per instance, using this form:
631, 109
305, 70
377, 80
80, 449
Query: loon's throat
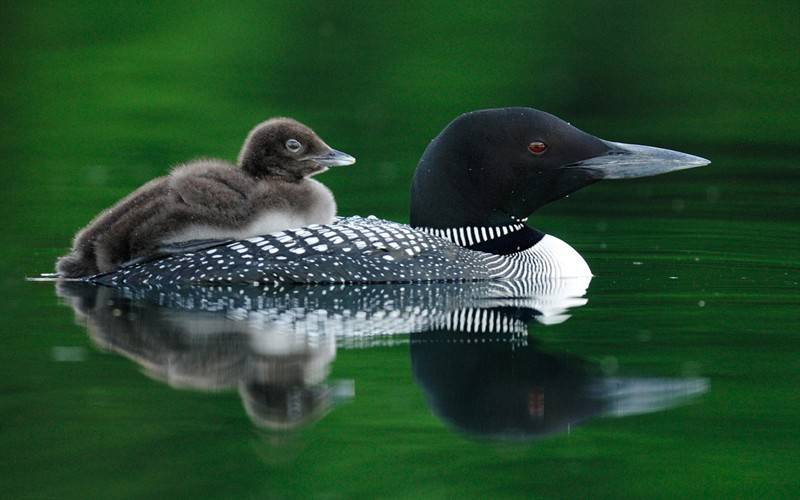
498, 240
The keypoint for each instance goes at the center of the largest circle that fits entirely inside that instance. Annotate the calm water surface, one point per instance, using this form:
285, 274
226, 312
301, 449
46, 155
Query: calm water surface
673, 373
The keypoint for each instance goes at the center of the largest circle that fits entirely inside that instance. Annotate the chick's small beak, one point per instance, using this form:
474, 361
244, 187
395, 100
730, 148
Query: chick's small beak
333, 158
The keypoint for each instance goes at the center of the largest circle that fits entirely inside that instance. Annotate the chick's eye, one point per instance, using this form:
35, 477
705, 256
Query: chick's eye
293, 145
537, 147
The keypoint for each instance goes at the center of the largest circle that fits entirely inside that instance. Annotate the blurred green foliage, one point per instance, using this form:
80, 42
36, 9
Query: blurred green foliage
106, 95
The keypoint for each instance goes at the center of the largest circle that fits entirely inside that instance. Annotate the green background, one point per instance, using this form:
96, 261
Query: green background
98, 98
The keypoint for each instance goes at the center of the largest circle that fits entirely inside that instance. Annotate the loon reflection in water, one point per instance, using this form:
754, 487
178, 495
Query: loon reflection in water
468, 342
507, 388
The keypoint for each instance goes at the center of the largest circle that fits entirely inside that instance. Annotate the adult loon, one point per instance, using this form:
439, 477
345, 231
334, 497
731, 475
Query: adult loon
473, 189
271, 190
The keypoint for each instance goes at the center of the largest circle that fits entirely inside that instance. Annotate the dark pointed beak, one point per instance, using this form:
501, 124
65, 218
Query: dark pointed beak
625, 161
333, 158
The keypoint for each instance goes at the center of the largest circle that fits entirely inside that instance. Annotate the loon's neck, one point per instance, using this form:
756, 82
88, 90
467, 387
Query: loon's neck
450, 199
499, 240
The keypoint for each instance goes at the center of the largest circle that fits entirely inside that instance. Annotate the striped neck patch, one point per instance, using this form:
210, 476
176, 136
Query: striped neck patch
472, 235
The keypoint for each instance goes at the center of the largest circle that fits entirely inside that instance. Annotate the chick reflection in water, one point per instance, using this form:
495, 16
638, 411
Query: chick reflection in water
280, 375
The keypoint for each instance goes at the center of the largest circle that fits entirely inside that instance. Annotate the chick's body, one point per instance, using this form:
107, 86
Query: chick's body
213, 199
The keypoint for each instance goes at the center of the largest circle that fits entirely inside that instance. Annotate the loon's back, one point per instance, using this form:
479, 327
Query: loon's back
351, 250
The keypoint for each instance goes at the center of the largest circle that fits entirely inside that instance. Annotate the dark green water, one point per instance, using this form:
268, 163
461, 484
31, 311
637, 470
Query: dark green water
696, 272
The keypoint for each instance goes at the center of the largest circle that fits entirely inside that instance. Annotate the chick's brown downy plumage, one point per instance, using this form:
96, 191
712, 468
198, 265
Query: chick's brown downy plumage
269, 190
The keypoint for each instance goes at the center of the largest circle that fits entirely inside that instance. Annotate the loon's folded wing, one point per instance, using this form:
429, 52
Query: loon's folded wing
178, 247
190, 246
350, 250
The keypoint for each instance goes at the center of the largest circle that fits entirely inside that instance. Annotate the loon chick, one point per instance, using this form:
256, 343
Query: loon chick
473, 189
210, 199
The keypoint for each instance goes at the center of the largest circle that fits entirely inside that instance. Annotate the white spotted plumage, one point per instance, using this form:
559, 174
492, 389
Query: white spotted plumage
358, 250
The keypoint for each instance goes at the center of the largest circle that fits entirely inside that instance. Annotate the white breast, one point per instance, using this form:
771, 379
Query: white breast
549, 258
558, 259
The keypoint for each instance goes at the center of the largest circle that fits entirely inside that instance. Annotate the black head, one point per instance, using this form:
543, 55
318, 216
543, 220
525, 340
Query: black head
494, 166
283, 147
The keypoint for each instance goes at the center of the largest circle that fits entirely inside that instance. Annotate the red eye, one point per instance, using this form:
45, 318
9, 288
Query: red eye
537, 147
